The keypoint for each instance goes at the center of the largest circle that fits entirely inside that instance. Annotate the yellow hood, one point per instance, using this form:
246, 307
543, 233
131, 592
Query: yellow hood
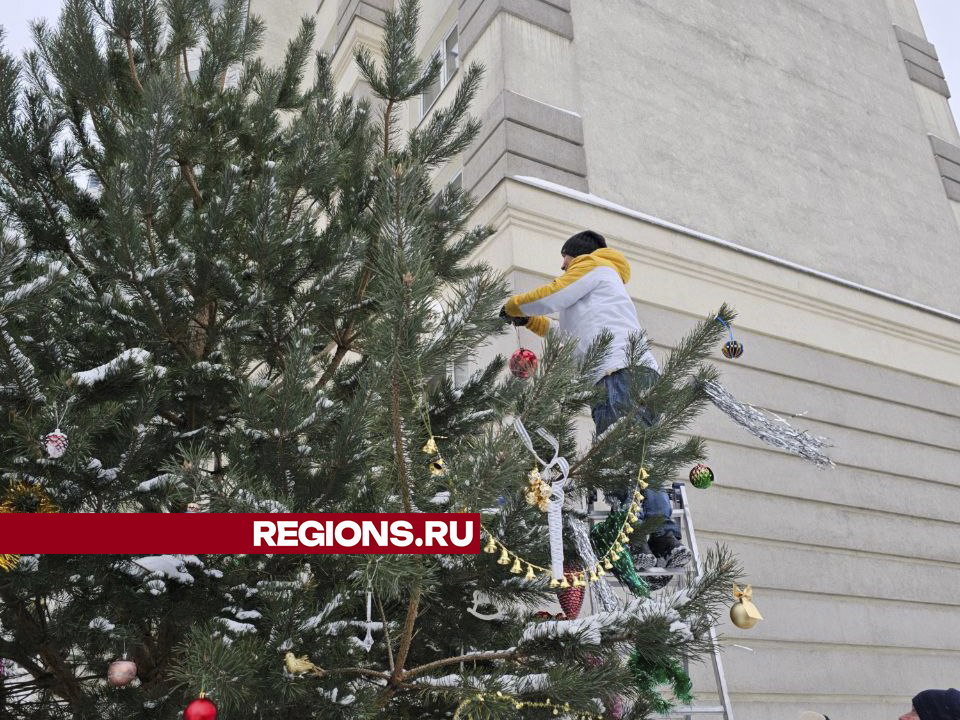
610, 258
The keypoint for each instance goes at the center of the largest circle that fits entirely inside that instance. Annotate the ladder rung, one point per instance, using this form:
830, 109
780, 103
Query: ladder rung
678, 711
602, 514
681, 513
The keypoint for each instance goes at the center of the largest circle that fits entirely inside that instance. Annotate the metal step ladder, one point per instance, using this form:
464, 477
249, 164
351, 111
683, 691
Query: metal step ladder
681, 513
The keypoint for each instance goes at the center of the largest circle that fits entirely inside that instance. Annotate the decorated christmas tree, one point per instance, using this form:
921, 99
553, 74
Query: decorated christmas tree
224, 288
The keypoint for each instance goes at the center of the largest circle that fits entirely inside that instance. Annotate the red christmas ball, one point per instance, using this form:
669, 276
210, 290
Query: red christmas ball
523, 363
200, 709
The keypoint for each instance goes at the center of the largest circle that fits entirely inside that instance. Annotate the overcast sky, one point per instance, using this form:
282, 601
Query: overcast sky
941, 19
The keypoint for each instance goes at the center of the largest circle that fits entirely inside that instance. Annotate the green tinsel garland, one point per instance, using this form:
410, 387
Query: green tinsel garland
651, 676
603, 536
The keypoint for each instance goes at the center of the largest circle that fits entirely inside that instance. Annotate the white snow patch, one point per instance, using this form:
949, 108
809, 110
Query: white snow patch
242, 614
137, 356
541, 102
170, 567
158, 483
238, 627
312, 622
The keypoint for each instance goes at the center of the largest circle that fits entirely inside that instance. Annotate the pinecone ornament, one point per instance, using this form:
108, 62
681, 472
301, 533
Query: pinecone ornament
56, 444
571, 598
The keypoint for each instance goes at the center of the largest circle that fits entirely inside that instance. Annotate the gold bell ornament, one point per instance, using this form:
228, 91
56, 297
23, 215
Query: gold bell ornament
744, 613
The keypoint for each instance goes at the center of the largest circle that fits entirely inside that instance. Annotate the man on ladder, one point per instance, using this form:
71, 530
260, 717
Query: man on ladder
590, 297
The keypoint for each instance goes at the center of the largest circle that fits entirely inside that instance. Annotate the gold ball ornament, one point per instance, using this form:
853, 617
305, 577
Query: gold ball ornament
740, 618
744, 613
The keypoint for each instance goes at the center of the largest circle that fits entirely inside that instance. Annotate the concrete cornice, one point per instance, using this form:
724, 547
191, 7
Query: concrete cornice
684, 272
361, 32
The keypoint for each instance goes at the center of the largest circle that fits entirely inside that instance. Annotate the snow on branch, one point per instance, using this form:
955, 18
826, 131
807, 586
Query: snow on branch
133, 356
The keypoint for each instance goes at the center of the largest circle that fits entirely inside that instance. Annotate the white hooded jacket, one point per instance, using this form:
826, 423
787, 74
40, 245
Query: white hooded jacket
590, 297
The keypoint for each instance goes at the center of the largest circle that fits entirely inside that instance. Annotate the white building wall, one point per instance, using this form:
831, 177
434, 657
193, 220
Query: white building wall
787, 126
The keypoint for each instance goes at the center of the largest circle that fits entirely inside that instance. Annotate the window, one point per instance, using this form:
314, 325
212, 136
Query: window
451, 59
449, 53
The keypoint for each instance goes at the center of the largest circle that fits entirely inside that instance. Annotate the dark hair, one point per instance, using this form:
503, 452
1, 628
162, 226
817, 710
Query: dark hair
583, 243
937, 704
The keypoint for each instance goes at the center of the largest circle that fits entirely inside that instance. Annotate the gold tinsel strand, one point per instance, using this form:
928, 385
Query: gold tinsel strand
23, 498
481, 698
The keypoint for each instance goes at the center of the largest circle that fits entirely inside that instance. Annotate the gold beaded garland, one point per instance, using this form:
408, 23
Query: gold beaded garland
538, 493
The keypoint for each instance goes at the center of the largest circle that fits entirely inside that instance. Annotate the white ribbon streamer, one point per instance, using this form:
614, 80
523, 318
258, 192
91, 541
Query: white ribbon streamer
557, 467
367, 642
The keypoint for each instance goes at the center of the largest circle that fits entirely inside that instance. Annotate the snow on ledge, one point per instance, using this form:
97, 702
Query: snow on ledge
600, 202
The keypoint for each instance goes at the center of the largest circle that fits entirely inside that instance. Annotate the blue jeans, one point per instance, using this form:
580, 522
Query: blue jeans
656, 503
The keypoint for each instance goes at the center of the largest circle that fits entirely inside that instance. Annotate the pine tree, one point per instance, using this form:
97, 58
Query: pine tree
232, 287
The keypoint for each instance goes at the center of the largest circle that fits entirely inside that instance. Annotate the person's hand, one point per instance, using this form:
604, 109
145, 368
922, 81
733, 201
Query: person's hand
521, 321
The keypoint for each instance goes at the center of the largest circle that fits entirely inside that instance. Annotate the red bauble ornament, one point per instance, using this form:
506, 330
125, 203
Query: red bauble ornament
571, 598
200, 709
121, 672
523, 363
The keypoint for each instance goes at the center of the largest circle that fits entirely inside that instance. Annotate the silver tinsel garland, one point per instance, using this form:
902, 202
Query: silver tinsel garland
777, 433
581, 538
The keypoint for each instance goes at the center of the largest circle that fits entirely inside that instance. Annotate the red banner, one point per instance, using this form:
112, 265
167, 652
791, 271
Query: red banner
240, 533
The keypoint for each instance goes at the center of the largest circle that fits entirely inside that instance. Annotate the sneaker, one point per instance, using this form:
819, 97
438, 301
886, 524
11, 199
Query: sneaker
672, 553
643, 557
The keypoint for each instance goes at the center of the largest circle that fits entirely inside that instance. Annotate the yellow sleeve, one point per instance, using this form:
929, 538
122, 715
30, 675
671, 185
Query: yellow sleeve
538, 324
576, 282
